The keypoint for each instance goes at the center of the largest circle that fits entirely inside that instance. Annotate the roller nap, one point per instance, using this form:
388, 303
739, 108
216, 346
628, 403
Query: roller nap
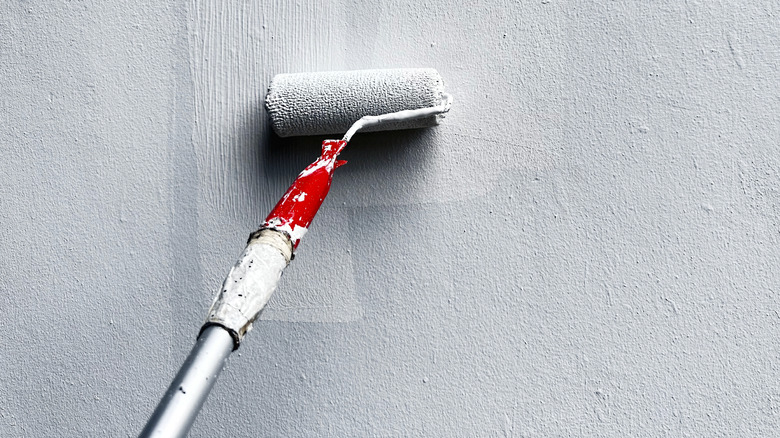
330, 102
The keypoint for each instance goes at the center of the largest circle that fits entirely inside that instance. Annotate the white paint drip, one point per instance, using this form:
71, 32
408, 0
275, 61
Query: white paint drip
295, 232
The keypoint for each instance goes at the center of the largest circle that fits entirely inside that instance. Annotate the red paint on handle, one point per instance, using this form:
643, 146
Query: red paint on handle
295, 211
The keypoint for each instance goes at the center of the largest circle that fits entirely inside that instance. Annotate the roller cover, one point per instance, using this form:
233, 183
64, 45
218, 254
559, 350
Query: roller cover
330, 102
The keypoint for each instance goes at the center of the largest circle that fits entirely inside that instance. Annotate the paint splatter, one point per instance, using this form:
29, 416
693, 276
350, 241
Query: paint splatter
295, 211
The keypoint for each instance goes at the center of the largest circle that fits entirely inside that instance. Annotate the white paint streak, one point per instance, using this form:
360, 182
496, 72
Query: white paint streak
319, 164
296, 232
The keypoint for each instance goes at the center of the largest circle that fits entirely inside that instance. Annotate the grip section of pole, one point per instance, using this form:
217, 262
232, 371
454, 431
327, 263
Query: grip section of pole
251, 282
182, 401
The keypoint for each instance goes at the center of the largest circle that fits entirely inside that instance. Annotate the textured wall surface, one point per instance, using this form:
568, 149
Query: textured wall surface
588, 246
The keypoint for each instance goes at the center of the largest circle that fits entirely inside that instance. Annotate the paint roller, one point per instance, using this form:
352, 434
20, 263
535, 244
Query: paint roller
298, 104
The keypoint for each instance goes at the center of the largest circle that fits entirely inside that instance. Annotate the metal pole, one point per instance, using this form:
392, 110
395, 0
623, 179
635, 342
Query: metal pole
181, 403
246, 289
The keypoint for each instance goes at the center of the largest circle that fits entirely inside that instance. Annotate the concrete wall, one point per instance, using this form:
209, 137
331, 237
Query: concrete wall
588, 246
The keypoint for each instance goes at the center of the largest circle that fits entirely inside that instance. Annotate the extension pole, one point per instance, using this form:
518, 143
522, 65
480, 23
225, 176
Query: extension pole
182, 401
254, 277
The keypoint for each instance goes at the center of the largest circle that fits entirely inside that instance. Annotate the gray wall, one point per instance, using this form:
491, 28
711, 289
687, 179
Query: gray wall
588, 246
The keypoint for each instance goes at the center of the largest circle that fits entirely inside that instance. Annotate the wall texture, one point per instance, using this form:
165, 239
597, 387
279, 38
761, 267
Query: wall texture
588, 246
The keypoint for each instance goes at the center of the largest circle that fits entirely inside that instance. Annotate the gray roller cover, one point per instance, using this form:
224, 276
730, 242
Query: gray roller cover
330, 102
